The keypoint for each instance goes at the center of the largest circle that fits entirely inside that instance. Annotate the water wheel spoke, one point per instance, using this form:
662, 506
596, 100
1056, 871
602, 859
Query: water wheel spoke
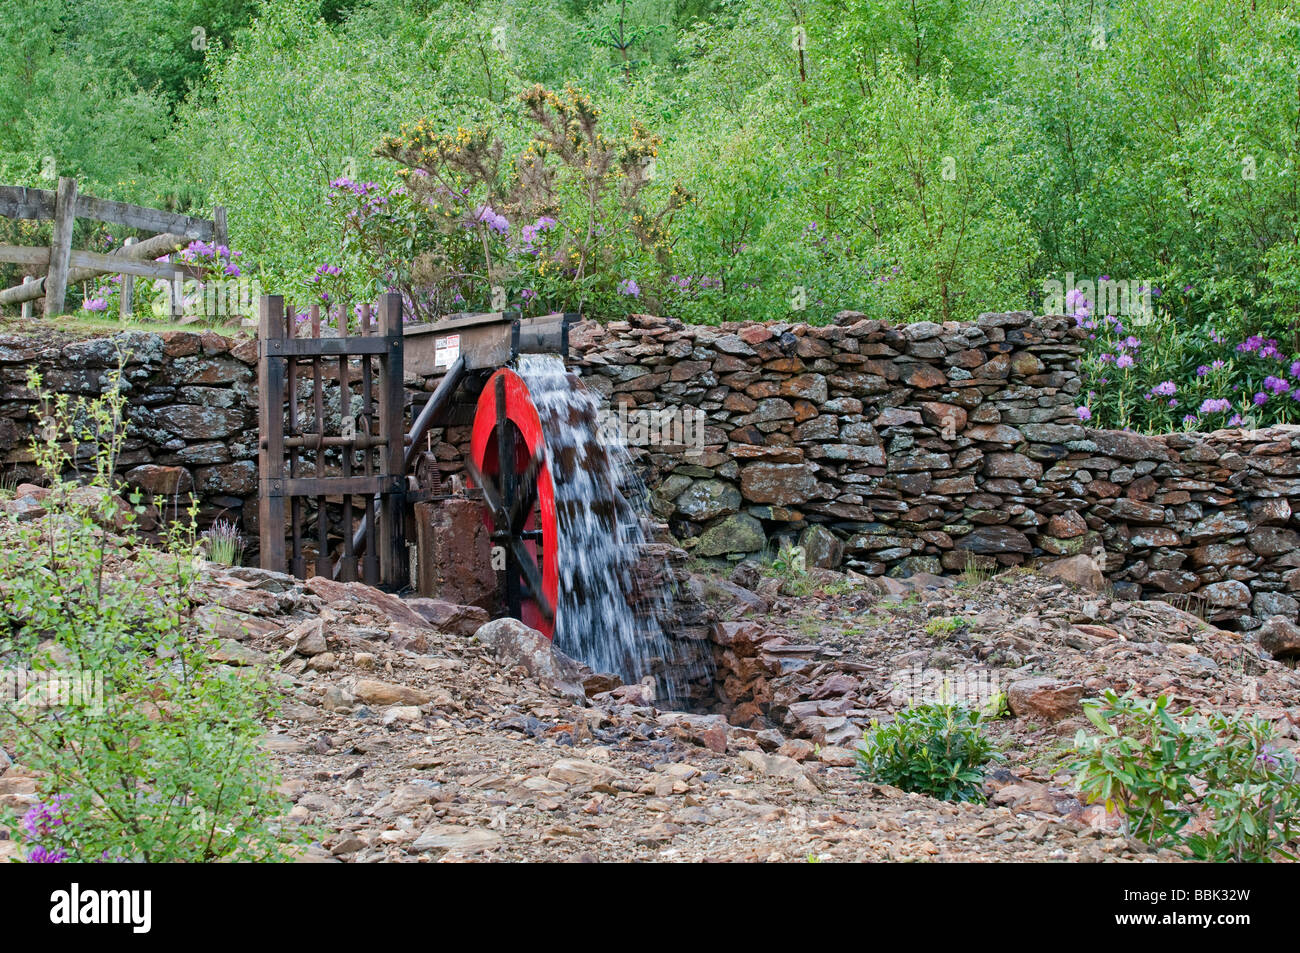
529, 568
526, 494
491, 495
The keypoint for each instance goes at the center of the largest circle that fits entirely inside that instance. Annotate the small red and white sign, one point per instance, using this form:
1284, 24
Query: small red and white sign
446, 350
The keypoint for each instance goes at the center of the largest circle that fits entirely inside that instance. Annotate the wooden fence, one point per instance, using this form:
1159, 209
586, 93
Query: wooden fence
64, 264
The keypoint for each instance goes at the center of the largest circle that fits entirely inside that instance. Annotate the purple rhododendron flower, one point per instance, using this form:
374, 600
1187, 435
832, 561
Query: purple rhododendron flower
1260, 398
1277, 385
39, 855
1123, 361
493, 219
1215, 405
629, 287
1165, 388
1083, 413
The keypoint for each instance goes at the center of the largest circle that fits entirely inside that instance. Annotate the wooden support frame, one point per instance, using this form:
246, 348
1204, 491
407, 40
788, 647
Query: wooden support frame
293, 438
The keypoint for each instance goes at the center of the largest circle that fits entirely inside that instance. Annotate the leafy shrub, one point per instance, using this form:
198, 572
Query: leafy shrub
150, 753
1213, 785
936, 749
1169, 373
563, 224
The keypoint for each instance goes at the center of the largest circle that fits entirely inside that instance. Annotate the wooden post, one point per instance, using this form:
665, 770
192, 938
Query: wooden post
126, 303
220, 230
392, 401
27, 305
65, 216
176, 296
270, 447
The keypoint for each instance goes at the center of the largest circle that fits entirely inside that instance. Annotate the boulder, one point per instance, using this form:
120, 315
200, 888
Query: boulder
822, 548
1081, 570
516, 644
1048, 698
738, 533
1280, 638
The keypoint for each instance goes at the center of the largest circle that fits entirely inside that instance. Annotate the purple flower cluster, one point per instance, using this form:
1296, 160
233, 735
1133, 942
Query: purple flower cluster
629, 287
1255, 344
529, 234
42, 820
494, 220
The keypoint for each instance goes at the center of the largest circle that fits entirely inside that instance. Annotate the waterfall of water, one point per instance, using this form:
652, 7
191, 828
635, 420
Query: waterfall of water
613, 598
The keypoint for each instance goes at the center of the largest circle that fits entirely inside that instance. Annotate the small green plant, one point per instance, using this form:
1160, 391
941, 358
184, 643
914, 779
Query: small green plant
224, 543
936, 749
789, 560
149, 750
974, 573
1215, 786
943, 627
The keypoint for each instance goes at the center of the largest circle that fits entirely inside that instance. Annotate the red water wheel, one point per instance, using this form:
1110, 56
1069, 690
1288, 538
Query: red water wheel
519, 496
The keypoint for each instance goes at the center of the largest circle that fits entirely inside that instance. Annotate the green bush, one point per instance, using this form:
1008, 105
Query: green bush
150, 753
936, 749
1214, 786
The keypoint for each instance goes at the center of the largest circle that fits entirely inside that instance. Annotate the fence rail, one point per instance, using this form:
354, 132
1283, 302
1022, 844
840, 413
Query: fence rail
64, 264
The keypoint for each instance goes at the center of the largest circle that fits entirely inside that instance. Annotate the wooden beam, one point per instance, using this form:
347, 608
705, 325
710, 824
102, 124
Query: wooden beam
141, 251
270, 455
126, 297
65, 217
392, 401
220, 228
17, 201
20, 202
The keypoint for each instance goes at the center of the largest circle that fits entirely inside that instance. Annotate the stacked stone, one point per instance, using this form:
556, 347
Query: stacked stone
190, 405
1202, 520
763, 680
889, 449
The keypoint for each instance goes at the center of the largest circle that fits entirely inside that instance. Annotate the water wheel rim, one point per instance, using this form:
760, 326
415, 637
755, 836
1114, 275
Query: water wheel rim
520, 410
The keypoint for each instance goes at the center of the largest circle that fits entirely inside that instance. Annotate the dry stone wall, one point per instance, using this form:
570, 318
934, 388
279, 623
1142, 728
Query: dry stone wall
889, 450
191, 407
929, 447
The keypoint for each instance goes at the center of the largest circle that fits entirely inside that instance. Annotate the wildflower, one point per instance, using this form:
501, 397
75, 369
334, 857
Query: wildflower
1083, 413
1295, 369
1260, 398
39, 855
1165, 389
629, 287
494, 220
1236, 420
1189, 419
1277, 385
41, 819
1218, 365
1123, 361
1215, 405
95, 304
1203, 370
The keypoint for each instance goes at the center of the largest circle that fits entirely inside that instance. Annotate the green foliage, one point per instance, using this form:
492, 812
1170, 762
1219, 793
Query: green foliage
907, 159
943, 627
1215, 786
935, 749
153, 756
